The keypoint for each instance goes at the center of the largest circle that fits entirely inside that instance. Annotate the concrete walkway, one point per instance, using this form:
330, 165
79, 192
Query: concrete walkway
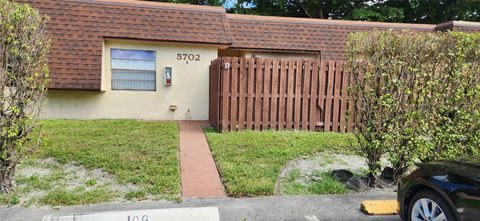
198, 170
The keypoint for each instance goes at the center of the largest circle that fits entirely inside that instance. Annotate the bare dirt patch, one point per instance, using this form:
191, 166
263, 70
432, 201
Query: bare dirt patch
311, 175
39, 180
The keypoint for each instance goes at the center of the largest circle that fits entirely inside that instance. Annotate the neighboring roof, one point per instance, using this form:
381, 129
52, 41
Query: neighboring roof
463, 26
283, 33
78, 28
445, 26
318, 21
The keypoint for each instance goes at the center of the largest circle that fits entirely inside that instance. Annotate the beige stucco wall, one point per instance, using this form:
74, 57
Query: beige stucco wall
189, 89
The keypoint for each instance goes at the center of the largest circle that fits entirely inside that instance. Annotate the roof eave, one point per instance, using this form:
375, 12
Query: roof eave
219, 44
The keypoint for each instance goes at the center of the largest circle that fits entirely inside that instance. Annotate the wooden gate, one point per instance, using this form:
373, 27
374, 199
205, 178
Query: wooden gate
279, 94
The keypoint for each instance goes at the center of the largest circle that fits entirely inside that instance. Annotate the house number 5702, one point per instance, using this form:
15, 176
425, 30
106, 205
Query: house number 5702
137, 218
188, 57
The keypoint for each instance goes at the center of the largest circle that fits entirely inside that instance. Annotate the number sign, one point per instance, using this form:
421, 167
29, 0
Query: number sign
188, 57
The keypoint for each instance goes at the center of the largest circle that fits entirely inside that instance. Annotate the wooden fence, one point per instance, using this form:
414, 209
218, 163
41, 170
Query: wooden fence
279, 94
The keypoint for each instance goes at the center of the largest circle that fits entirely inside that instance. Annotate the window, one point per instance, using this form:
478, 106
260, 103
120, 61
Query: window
133, 70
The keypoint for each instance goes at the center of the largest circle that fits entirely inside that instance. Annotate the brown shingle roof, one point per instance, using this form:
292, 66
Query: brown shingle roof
282, 33
462, 26
78, 28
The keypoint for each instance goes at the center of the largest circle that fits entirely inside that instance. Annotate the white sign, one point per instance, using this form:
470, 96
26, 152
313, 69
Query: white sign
176, 214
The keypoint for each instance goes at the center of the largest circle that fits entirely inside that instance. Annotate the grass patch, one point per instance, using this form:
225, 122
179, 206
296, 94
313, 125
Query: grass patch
61, 196
142, 153
250, 161
50, 183
326, 185
36, 182
135, 194
91, 182
11, 199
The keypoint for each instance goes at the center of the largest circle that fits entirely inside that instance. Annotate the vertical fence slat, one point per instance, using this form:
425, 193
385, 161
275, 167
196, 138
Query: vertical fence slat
290, 94
351, 105
329, 95
343, 107
258, 93
217, 93
266, 94
274, 100
226, 95
234, 94
336, 96
305, 96
298, 94
314, 96
282, 96
241, 94
218, 119
321, 92
250, 84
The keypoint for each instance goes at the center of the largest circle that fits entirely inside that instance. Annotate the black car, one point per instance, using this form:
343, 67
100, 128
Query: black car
445, 190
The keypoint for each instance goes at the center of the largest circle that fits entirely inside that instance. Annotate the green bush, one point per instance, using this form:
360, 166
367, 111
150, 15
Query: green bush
417, 96
23, 80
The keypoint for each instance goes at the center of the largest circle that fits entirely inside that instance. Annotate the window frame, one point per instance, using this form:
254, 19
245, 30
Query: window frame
128, 49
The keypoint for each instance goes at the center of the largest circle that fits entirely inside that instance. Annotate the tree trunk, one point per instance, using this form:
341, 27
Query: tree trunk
7, 182
373, 180
320, 14
303, 8
373, 176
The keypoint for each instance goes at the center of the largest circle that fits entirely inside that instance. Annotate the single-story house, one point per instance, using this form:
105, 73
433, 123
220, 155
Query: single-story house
150, 60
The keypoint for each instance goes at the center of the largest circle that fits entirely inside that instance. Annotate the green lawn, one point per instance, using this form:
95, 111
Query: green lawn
144, 153
328, 185
141, 153
250, 161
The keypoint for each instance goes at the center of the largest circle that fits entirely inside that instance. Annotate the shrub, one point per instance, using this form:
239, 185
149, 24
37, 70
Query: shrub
454, 123
23, 78
416, 95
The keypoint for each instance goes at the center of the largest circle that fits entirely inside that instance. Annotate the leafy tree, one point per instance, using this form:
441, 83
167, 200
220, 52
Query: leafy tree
382, 13
411, 11
23, 78
335, 9
437, 11
414, 11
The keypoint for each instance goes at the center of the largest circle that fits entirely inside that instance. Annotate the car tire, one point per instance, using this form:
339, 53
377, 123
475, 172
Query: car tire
436, 198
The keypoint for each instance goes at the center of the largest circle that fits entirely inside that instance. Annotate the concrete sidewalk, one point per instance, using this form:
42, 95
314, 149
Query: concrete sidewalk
278, 208
199, 173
